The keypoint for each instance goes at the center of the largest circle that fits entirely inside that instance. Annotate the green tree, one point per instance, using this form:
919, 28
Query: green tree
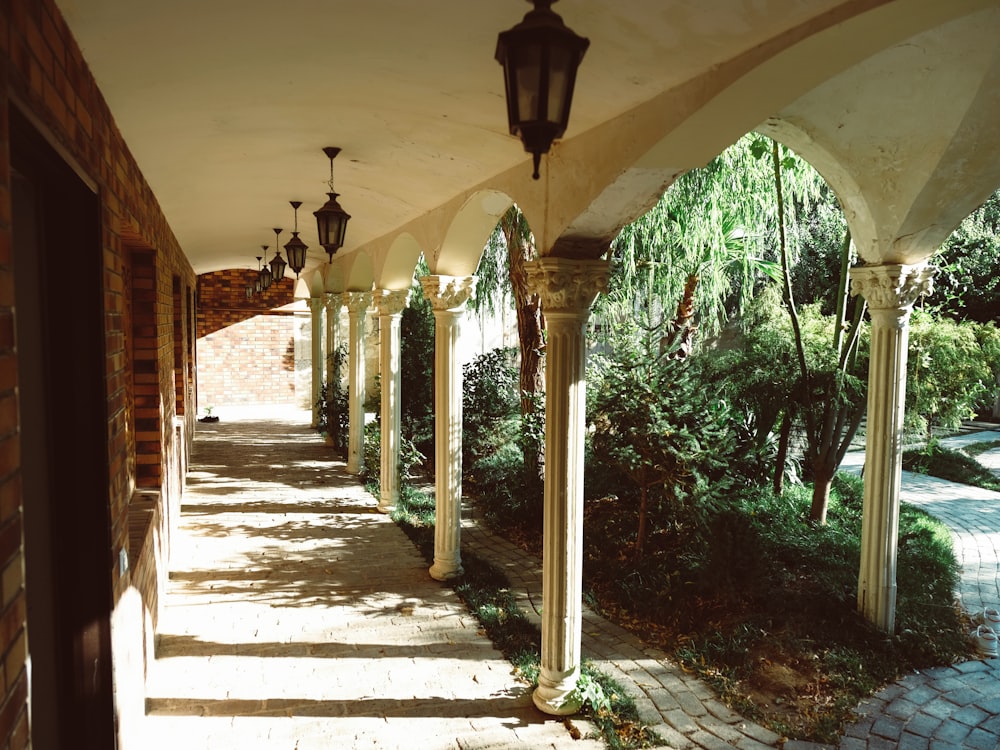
503, 280
656, 423
948, 373
967, 281
830, 393
702, 247
417, 370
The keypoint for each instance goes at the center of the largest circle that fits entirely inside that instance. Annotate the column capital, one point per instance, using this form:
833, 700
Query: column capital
448, 293
315, 304
892, 287
567, 285
391, 301
333, 299
357, 302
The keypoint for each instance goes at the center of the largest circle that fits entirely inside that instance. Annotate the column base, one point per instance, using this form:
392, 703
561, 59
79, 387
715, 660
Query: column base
386, 506
556, 698
446, 570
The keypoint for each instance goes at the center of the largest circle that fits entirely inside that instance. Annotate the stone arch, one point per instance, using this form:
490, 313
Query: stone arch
302, 286
359, 272
911, 153
334, 280
399, 263
593, 194
468, 233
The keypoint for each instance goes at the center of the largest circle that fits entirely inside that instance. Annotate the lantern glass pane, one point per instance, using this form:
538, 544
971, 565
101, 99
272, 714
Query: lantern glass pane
559, 81
528, 79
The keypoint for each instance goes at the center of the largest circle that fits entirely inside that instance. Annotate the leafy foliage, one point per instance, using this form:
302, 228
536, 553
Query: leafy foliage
490, 403
657, 423
333, 405
966, 284
496, 437
417, 371
948, 373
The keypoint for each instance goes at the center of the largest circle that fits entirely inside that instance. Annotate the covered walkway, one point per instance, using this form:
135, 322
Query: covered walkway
298, 617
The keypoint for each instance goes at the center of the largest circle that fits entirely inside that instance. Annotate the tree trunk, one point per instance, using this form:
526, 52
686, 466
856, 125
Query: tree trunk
681, 328
783, 440
529, 327
640, 537
823, 472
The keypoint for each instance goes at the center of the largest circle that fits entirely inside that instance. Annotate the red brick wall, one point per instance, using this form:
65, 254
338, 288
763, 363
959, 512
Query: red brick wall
246, 347
42, 68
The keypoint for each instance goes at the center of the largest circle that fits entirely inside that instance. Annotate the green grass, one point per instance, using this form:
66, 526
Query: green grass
974, 449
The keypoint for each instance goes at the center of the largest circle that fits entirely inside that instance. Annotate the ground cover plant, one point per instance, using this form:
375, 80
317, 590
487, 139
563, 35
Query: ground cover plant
766, 611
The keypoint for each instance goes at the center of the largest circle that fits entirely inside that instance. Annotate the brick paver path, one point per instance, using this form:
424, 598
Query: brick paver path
298, 617
954, 706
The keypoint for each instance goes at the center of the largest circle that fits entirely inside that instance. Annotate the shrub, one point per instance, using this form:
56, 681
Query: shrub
947, 374
490, 403
417, 372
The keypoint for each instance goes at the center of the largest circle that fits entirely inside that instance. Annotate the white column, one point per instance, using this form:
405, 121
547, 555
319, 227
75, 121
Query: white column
357, 305
390, 308
316, 310
447, 295
567, 289
890, 292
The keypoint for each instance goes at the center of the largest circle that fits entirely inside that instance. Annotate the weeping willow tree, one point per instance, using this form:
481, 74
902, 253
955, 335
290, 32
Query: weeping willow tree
830, 396
707, 245
503, 282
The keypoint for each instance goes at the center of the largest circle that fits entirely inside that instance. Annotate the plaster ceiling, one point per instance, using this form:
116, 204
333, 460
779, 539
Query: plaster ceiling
226, 105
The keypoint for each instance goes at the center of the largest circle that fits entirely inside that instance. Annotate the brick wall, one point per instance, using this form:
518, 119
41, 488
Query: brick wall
246, 347
43, 70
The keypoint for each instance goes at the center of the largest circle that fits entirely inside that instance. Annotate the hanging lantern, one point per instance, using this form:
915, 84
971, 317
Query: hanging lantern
331, 219
295, 248
277, 262
265, 273
540, 57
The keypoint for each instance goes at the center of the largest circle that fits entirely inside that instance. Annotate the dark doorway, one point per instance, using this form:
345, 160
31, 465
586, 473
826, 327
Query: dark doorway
58, 264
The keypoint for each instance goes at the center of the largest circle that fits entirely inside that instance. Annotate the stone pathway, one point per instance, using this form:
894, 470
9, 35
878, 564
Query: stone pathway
298, 617
955, 706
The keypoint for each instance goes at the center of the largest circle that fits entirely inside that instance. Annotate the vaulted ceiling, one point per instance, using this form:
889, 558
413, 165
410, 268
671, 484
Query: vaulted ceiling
227, 105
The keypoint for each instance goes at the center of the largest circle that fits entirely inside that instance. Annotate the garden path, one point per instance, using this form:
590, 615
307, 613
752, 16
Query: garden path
955, 706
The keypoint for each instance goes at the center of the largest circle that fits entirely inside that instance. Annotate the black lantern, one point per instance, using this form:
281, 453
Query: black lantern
265, 273
257, 285
296, 248
539, 57
277, 262
331, 219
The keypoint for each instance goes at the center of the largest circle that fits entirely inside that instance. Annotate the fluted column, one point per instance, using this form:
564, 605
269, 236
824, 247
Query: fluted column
316, 311
567, 289
447, 295
890, 292
390, 308
357, 305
